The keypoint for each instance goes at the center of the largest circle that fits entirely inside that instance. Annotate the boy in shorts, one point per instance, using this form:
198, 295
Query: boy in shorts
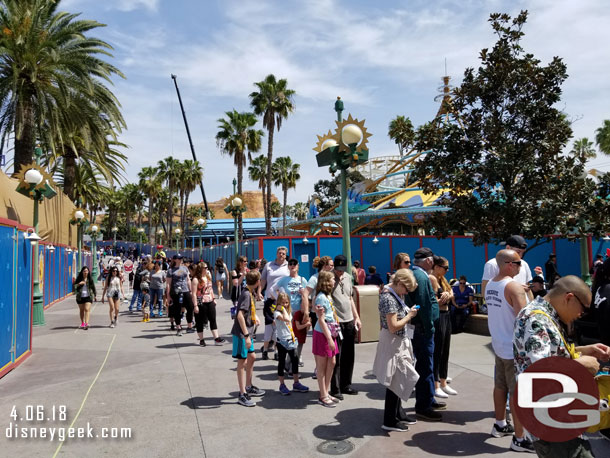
145, 302
243, 348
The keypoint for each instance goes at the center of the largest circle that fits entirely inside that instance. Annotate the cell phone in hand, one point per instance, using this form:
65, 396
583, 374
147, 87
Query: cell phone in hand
416, 307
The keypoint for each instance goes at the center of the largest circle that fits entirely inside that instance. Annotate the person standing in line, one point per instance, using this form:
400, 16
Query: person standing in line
426, 407
157, 288
442, 329
505, 298
296, 287
136, 294
273, 272
238, 279
359, 274
84, 289
205, 304
524, 277
538, 334
394, 361
243, 348
551, 269
325, 263
220, 274
286, 346
113, 289
325, 332
178, 294
350, 324
373, 278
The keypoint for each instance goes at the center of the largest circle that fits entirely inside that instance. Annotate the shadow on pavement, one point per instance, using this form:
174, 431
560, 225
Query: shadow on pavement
199, 402
452, 443
352, 423
274, 400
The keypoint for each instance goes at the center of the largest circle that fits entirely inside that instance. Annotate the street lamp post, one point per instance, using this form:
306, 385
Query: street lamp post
93, 231
341, 150
114, 231
35, 183
177, 232
235, 208
79, 218
160, 234
140, 234
200, 226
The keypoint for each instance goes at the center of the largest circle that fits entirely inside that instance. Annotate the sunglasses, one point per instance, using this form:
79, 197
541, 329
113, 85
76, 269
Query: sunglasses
462, 283
444, 267
517, 263
293, 263
406, 262
584, 308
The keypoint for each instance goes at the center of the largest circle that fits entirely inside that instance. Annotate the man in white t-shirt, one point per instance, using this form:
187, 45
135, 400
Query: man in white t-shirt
524, 277
505, 298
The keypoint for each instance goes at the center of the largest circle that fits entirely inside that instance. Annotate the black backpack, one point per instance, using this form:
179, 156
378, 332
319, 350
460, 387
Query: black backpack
221, 269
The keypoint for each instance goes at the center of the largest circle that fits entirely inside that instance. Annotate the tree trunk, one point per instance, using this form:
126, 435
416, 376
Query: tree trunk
69, 173
186, 204
284, 212
170, 207
240, 177
181, 209
269, 164
150, 216
24, 144
265, 211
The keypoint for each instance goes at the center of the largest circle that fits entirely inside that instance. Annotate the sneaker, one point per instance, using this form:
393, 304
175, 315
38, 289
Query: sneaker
160, 314
301, 364
284, 391
265, 355
336, 400
408, 419
112, 324
152, 315
82, 325
189, 330
86, 326
179, 333
507, 430
245, 401
439, 405
524, 445
429, 415
130, 309
254, 391
219, 341
299, 387
448, 379
143, 320
202, 343
399, 426
447, 389
338, 396
439, 393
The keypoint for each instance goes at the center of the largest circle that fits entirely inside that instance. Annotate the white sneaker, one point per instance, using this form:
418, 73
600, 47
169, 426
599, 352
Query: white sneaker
447, 389
440, 393
448, 379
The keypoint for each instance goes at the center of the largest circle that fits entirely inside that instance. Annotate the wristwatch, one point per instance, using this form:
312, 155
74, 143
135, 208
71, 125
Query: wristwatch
246, 336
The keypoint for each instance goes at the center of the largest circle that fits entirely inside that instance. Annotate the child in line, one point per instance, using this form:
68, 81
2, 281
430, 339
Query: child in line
243, 348
144, 288
286, 344
324, 337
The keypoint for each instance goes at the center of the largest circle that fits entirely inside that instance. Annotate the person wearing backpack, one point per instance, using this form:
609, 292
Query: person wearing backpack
220, 273
136, 295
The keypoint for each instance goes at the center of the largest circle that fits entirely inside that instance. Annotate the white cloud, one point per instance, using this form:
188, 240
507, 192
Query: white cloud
121, 5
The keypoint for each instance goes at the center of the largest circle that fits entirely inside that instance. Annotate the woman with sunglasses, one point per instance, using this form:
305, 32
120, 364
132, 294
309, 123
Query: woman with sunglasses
157, 287
113, 289
202, 292
84, 288
442, 327
238, 279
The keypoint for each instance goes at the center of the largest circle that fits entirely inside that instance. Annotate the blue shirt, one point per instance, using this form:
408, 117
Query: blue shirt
322, 301
292, 287
461, 298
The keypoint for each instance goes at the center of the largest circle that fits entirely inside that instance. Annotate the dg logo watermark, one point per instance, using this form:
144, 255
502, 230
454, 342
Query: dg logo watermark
557, 399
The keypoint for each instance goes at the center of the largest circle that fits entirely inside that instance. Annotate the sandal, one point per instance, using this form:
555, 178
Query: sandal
326, 402
334, 399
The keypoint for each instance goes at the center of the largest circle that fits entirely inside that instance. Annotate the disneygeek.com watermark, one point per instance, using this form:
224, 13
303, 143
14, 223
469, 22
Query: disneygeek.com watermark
557, 399
27, 423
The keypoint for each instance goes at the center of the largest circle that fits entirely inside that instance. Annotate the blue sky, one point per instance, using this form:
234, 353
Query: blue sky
383, 58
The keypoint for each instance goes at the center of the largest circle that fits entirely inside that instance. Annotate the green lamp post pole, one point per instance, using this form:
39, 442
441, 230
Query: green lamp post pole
235, 208
140, 234
347, 245
79, 217
93, 233
177, 231
201, 223
37, 300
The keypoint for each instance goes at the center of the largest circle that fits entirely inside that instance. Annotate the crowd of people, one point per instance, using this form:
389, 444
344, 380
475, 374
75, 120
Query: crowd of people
419, 310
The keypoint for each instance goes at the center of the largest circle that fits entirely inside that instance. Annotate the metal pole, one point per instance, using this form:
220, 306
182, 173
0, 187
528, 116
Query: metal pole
188, 133
94, 270
140, 245
584, 260
37, 300
235, 216
200, 247
347, 248
79, 238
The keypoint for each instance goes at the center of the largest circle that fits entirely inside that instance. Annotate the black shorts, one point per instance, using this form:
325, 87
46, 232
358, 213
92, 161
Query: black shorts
83, 300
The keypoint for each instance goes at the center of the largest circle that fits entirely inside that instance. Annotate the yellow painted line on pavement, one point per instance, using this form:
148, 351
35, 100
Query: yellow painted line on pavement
88, 391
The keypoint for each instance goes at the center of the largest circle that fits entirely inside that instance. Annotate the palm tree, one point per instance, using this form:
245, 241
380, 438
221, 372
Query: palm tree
150, 184
401, 131
190, 177
583, 147
50, 76
236, 135
258, 172
602, 137
285, 174
274, 102
169, 171
300, 210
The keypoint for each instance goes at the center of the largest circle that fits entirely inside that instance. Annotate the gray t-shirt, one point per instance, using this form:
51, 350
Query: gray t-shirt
180, 279
342, 298
272, 274
157, 280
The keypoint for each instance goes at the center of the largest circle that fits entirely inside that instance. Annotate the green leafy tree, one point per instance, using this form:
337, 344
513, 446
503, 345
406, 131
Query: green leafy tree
276, 209
504, 172
257, 172
402, 132
328, 192
169, 171
150, 184
51, 75
285, 174
274, 101
191, 174
236, 137
300, 210
602, 137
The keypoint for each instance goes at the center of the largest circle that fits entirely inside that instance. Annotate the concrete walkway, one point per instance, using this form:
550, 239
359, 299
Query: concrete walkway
179, 399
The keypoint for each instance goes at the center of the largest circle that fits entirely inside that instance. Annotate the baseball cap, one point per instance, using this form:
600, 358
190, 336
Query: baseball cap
177, 256
517, 241
340, 262
423, 253
293, 261
538, 279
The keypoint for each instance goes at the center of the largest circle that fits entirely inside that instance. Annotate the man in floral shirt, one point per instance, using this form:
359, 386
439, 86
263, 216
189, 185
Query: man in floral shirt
538, 335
